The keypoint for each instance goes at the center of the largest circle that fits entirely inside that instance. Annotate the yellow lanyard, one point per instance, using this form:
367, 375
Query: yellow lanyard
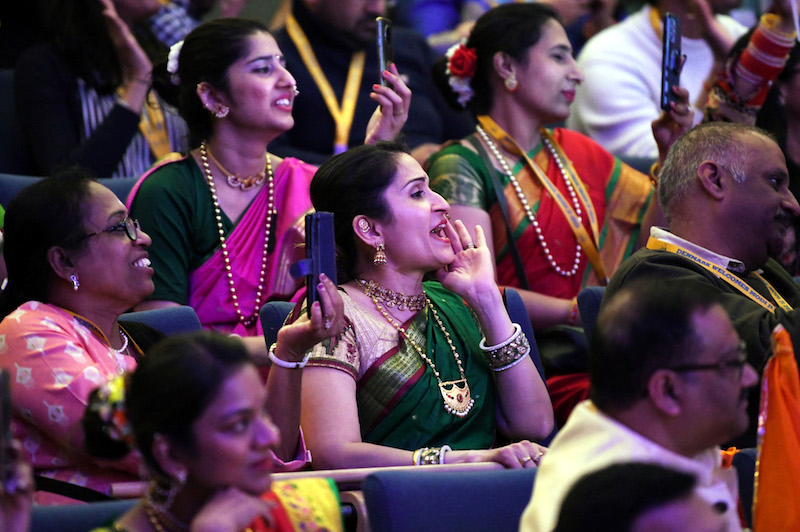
154, 128
584, 240
725, 275
342, 115
655, 22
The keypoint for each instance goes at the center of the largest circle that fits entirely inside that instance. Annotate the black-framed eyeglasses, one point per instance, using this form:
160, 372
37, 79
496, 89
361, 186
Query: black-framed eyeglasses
129, 225
736, 364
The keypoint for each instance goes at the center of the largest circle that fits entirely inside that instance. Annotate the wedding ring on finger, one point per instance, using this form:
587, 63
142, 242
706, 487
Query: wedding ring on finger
525, 460
470, 246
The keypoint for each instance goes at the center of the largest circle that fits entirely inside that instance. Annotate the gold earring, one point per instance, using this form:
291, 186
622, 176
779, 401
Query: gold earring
511, 83
380, 255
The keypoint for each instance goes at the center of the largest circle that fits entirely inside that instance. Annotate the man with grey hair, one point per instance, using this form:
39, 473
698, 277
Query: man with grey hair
724, 191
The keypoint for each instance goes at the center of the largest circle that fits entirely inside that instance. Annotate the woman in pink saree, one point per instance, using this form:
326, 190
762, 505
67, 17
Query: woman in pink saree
226, 219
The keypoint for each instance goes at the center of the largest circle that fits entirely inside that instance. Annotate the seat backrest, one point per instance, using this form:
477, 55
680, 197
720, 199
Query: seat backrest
399, 501
589, 300
168, 320
15, 156
272, 316
77, 517
12, 184
519, 314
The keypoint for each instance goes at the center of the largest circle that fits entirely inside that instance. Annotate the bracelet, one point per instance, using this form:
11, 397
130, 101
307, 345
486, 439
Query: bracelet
430, 455
517, 332
283, 363
573, 312
509, 353
508, 366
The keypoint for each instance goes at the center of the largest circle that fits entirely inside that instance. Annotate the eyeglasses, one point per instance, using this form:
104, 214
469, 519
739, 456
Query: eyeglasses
737, 364
129, 225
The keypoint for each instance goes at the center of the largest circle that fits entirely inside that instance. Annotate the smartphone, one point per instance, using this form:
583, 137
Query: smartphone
320, 254
670, 60
385, 46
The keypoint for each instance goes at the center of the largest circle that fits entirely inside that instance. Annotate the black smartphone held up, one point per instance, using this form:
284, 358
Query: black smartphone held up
385, 46
670, 60
320, 254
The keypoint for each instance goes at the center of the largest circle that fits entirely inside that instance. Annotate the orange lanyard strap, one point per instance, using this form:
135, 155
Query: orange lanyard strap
584, 240
342, 115
725, 275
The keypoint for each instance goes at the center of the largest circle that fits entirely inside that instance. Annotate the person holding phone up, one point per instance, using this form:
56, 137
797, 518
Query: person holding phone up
410, 380
559, 211
226, 219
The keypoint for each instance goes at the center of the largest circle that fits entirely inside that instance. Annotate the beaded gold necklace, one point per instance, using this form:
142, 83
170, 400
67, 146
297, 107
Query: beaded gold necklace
391, 298
249, 320
456, 394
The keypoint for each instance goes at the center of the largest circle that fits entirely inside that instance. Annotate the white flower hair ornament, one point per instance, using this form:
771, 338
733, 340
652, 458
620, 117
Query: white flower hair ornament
172, 62
461, 64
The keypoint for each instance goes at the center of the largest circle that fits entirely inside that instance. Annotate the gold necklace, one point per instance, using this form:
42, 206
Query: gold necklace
243, 183
246, 321
171, 523
456, 394
392, 298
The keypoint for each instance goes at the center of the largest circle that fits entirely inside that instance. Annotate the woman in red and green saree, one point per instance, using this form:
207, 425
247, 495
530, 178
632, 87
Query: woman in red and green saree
197, 410
423, 373
568, 212
226, 219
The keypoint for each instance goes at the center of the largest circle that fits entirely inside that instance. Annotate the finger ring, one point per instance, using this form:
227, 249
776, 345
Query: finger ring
525, 460
327, 323
538, 457
398, 112
470, 246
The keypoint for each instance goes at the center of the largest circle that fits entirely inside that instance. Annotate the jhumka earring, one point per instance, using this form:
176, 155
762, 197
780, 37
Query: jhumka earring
380, 255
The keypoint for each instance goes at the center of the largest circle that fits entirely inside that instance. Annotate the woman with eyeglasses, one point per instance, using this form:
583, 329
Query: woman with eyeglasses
76, 261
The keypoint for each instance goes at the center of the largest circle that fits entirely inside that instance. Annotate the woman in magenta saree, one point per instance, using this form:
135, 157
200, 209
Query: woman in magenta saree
227, 218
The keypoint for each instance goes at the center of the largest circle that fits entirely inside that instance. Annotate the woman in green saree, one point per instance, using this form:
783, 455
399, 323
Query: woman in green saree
424, 373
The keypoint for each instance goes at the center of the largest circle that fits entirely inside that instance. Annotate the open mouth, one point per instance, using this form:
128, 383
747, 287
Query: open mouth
144, 262
439, 232
283, 102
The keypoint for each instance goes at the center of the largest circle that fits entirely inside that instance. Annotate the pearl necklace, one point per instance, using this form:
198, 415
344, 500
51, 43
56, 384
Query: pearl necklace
118, 353
246, 321
527, 208
456, 394
243, 183
391, 298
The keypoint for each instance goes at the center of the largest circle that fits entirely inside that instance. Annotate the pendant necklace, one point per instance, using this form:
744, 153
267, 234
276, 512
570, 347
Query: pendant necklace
455, 394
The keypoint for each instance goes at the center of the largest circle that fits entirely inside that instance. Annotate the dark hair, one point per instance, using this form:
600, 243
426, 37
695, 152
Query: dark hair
614, 497
350, 184
207, 54
510, 28
79, 30
169, 390
646, 326
50, 212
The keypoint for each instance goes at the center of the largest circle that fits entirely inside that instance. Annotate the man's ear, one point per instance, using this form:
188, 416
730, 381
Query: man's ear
712, 179
664, 391
60, 262
367, 230
211, 97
